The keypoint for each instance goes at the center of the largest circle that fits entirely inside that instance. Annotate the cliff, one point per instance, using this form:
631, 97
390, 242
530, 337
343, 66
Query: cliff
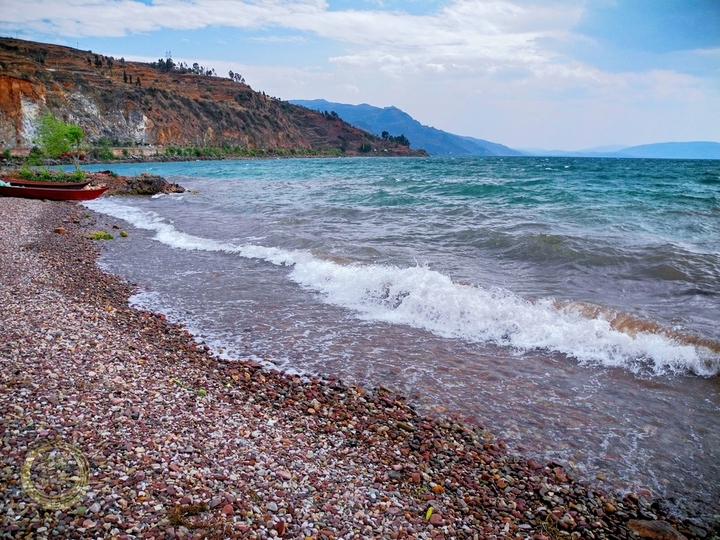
133, 103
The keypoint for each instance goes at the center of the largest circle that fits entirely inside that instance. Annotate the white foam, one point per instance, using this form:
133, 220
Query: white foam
424, 298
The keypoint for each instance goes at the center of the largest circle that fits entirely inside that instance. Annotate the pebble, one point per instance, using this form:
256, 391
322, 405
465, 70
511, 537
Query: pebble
362, 464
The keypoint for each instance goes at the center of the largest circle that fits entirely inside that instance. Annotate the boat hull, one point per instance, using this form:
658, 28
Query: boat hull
52, 194
46, 185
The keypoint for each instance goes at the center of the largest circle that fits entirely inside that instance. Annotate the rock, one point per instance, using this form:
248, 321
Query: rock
228, 509
60, 230
560, 475
436, 519
535, 464
285, 475
657, 530
272, 506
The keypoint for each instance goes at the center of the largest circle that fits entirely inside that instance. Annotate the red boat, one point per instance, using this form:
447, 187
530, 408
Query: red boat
52, 194
60, 185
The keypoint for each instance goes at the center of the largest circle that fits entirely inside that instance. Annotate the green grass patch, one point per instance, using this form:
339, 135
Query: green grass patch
101, 235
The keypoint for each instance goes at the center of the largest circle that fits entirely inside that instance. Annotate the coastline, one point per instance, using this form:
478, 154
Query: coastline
182, 444
18, 161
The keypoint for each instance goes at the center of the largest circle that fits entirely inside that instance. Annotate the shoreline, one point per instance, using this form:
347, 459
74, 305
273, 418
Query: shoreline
183, 444
16, 162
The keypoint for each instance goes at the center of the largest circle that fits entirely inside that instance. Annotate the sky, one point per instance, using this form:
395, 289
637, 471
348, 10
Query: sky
551, 74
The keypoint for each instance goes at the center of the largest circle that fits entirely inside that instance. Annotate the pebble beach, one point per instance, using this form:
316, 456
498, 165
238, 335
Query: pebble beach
180, 444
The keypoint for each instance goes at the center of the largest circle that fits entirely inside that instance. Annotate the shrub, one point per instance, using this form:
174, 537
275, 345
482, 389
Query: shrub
35, 156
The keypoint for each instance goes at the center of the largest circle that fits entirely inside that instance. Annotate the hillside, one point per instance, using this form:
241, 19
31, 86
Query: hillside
397, 122
132, 103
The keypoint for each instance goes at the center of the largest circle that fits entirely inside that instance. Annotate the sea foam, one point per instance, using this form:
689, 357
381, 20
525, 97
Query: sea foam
424, 298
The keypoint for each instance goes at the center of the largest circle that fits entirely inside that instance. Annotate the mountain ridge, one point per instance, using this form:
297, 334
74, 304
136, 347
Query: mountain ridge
138, 104
396, 122
439, 142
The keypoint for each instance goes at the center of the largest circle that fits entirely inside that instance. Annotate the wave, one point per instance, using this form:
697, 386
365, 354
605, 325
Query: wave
423, 298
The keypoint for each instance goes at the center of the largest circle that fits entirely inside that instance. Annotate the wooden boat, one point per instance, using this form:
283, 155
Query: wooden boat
52, 194
61, 185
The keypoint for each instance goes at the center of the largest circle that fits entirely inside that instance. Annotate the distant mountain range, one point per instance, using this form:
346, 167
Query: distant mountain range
668, 150
396, 122
441, 143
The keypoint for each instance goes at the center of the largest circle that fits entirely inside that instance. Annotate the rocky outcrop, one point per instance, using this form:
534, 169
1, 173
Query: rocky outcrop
132, 103
145, 184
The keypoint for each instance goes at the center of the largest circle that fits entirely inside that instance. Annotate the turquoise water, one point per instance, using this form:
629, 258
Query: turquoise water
570, 305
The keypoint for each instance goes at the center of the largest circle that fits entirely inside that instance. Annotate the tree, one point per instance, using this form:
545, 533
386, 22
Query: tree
57, 137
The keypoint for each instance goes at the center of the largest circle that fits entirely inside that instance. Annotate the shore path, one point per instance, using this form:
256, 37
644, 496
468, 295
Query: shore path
180, 444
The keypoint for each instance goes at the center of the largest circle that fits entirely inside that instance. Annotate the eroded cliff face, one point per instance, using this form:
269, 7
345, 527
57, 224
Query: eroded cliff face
137, 103
20, 104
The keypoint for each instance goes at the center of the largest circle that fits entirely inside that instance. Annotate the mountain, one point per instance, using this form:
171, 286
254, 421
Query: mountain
668, 150
134, 103
396, 122
674, 150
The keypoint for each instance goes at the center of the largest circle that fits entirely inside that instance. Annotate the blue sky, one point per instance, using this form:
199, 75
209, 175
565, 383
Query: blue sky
554, 74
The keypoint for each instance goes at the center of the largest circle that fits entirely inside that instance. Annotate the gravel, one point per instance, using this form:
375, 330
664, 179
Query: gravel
180, 444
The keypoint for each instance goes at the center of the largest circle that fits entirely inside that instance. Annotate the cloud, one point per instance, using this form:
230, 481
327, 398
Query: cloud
508, 38
496, 30
519, 65
278, 39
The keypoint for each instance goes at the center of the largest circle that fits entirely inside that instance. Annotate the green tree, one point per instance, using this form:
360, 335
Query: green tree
57, 137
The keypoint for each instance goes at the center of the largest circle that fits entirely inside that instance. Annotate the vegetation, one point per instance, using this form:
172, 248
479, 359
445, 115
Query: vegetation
101, 235
400, 139
168, 65
58, 138
236, 77
46, 175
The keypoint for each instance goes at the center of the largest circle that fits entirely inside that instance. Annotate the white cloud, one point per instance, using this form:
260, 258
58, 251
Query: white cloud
490, 30
488, 68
